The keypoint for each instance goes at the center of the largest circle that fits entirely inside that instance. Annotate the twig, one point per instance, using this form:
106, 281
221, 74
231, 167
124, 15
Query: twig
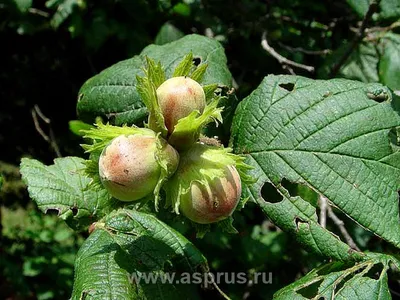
40, 114
387, 28
37, 126
38, 12
340, 224
376, 33
280, 58
208, 32
358, 37
48, 138
323, 205
305, 51
289, 69
225, 296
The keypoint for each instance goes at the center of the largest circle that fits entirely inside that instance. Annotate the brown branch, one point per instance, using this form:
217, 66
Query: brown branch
305, 51
323, 205
37, 126
38, 12
289, 69
40, 114
282, 60
340, 224
357, 39
48, 138
379, 29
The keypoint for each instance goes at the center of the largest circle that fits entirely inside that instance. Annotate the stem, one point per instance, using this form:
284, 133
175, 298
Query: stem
340, 224
51, 138
282, 60
323, 204
225, 296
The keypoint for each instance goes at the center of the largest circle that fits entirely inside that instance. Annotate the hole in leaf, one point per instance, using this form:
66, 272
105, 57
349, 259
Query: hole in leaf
298, 221
74, 210
111, 117
395, 103
270, 194
80, 96
196, 61
301, 190
311, 290
394, 137
343, 282
375, 271
378, 96
335, 267
347, 278
84, 295
53, 211
287, 86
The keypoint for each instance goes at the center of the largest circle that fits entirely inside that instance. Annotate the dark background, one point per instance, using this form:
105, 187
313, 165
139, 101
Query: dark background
50, 48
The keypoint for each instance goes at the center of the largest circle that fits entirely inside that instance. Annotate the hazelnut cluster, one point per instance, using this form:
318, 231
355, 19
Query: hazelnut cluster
201, 180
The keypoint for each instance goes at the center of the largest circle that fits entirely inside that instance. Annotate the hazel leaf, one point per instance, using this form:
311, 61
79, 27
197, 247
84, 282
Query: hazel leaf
155, 72
63, 187
331, 136
147, 90
336, 280
199, 72
112, 94
185, 66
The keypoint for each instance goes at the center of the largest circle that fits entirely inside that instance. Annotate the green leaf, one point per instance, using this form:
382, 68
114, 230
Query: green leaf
389, 65
132, 228
64, 10
209, 91
168, 33
63, 187
184, 67
361, 65
77, 126
23, 5
167, 168
188, 129
359, 6
155, 72
204, 49
112, 94
182, 9
130, 245
337, 280
388, 9
101, 270
327, 135
199, 72
146, 87
369, 62
102, 134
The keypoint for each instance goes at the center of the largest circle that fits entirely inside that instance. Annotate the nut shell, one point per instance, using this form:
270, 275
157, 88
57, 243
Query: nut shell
128, 167
178, 97
208, 204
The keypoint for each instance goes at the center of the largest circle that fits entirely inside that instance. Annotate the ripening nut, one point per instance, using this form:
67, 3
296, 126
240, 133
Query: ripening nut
129, 168
178, 97
208, 204
206, 187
